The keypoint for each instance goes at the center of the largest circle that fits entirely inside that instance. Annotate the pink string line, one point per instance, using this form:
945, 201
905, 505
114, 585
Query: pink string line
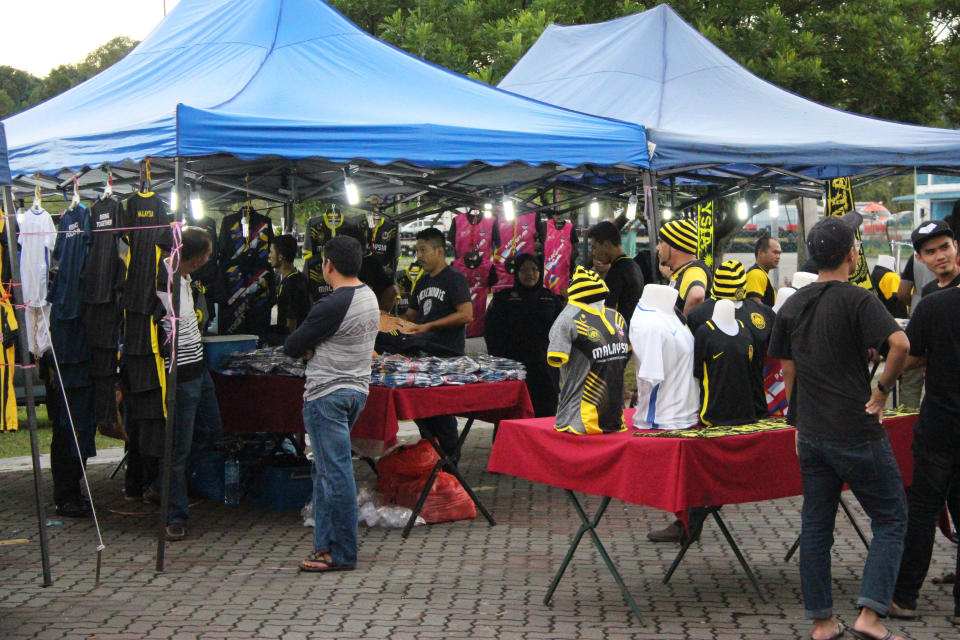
20, 366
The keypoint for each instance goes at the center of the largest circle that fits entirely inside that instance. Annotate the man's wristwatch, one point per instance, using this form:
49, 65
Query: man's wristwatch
884, 389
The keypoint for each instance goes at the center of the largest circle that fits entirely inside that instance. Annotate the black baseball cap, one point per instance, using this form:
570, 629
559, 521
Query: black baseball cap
832, 237
927, 230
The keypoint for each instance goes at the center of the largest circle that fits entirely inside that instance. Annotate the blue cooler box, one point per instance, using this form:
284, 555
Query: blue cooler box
216, 348
281, 488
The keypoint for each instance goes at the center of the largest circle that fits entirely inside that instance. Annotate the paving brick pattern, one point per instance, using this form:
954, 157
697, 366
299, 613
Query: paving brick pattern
235, 576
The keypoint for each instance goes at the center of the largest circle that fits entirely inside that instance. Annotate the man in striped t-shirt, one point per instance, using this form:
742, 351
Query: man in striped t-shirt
191, 373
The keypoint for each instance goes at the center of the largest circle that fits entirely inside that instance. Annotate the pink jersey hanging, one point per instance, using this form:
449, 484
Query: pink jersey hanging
516, 236
473, 247
557, 253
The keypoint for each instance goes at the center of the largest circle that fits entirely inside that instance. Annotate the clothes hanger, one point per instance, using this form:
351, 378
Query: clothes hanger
37, 200
75, 200
108, 190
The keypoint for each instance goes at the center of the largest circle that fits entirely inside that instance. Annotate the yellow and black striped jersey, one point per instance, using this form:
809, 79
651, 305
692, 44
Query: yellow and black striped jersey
591, 348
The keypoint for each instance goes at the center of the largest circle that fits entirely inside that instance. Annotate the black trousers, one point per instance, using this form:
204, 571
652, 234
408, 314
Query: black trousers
444, 429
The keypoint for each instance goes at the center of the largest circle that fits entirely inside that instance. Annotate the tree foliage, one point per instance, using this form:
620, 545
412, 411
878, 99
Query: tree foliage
895, 59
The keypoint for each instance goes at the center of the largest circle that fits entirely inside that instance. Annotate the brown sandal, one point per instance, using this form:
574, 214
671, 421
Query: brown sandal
321, 561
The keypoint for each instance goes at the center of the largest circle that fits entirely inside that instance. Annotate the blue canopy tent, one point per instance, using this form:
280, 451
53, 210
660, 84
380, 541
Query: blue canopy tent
4, 164
294, 88
702, 109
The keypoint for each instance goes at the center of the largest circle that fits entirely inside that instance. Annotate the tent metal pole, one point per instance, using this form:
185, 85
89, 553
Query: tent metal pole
653, 221
171, 374
29, 379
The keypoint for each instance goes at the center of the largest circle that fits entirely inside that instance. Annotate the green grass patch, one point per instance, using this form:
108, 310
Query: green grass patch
14, 444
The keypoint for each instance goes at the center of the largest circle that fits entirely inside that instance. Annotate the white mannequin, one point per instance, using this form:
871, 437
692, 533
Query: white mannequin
802, 279
723, 317
886, 262
783, 294
658, 296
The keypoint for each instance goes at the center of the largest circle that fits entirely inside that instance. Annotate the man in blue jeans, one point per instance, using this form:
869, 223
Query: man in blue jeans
823, 335
336, 338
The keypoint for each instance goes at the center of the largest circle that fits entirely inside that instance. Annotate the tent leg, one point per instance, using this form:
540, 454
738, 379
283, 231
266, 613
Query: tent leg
29, 378
171, 400
653, 219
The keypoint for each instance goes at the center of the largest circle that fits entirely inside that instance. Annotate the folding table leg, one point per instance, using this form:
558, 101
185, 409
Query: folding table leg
119, 466
447, 463
853, 521
589, 526
736, 552
693, 537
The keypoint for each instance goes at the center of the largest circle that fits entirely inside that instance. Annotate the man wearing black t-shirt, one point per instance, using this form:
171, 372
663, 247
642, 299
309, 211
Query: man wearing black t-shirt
822, 336
624, 278
440, 305
293, 301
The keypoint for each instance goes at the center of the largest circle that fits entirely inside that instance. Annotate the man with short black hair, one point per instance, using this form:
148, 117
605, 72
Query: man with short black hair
822, 335
293, 300
759, 286
937, 249
623, 278
440, 305
337, 340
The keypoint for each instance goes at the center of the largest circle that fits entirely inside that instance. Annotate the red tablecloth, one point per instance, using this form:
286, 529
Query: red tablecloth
251, 404
672, 474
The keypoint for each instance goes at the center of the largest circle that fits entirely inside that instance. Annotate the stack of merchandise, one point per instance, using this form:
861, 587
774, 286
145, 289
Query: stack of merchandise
262, 362
399, 371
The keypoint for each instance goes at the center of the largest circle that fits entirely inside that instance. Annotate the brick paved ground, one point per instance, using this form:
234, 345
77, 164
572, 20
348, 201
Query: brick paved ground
235, 577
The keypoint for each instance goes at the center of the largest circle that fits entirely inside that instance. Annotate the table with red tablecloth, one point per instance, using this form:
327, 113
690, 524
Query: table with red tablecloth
273, 404
669, 473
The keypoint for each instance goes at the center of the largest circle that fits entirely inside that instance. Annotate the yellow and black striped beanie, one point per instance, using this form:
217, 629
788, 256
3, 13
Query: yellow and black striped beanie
729, 281
681, 235
587, 286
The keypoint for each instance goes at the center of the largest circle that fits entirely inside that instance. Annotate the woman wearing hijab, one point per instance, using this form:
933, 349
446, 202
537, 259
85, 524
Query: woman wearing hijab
517, 327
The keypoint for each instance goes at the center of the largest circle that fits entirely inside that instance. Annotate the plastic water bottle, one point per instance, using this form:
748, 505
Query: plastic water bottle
231, 480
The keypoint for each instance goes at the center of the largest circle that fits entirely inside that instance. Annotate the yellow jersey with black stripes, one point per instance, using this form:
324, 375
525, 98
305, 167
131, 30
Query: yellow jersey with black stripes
691, 274
591, 348
723, 364
760, 286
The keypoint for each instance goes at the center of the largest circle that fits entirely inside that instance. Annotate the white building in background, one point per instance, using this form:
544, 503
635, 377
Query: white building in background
935, 196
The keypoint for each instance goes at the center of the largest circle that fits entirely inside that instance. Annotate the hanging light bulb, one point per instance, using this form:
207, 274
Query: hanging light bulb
774, 206
196, 206
632, 207
594, 209
667, 213
742, 209
508, 211
173, 200
487, 209
351, 191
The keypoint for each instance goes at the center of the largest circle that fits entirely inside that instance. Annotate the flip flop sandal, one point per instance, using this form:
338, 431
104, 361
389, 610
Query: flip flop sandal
889, 635
947, 578
841, 629
318, 562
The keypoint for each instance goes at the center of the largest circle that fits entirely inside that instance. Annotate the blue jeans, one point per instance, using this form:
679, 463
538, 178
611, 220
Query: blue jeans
935, 471
207, 428
184, 417
328, 421
871, 471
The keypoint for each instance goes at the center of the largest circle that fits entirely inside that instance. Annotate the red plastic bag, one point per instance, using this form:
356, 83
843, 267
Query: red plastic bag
402, 465
447, 501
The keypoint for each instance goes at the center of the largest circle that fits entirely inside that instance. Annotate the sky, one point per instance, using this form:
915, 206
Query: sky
39, 35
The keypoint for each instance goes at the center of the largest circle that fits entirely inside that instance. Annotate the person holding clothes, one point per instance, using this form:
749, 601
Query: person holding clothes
518, 327
822, 335
677, 249
759, 286
440, 306
293, 301
623, 278
191, 373
336, 338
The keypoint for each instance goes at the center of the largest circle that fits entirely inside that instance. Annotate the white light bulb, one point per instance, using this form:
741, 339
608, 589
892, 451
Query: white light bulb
173, 200
774, 206
351, 191
487, 209
632, 207
196, 207
508, 211
667, 214
594, 209
742, 209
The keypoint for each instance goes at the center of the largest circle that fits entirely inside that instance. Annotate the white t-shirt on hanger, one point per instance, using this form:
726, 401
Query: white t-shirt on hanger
667, 394
38, 235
